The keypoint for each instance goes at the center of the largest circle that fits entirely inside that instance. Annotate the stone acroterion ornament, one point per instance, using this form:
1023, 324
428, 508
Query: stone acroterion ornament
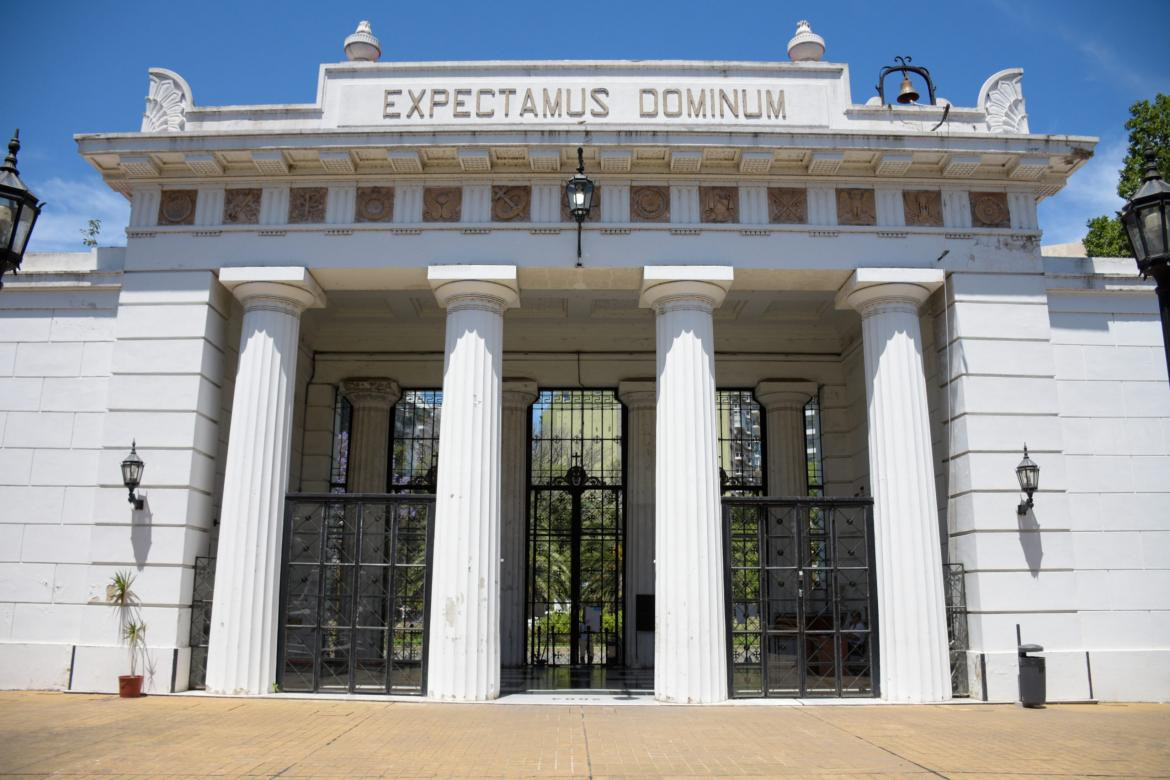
806, 45
362, 46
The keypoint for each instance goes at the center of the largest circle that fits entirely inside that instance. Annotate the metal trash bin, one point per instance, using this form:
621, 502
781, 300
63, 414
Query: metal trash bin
1032, 676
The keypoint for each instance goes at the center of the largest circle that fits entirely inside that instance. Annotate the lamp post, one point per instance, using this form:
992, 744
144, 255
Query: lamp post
1146, 218
19, 210
579, 195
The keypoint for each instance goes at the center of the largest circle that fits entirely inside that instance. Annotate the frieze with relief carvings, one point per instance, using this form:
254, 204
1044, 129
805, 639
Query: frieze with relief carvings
594, 212
306, 205
177, 207
787, 205
442, 204
719, 204
241, 206
856, 206
923, 208
511, 203
374, 204
990, 210
650, 204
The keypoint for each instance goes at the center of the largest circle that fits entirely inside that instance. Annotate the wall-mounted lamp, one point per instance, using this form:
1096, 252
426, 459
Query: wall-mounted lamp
579, 195
132, 468
1028, 473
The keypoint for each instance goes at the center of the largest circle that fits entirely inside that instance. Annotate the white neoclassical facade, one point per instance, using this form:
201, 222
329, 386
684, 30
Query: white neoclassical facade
759, 440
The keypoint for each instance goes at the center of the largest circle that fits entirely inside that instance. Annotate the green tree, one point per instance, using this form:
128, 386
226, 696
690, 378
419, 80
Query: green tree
1149, 128
89, 234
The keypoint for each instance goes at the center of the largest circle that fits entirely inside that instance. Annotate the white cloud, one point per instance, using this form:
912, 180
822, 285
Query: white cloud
1091, 192
69, 205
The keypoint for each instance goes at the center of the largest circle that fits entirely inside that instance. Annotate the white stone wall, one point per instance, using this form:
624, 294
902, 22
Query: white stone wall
56, 346
1113, 397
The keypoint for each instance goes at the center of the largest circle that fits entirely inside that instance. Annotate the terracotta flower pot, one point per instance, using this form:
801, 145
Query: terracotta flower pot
130, 686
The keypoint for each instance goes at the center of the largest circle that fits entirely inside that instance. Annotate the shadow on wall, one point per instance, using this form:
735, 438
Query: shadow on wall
1031, 541
140, 532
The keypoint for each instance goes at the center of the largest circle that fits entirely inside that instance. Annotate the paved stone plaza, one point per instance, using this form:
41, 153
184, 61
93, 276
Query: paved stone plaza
63, 735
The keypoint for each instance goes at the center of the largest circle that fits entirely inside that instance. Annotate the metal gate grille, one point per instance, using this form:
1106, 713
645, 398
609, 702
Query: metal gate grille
201, 593
801, 597
355, 593
957, 640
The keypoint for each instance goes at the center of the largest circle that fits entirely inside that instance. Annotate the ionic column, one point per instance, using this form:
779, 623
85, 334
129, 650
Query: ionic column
464, 635
241, 656
518, 396
915, 666
640, 399
690, 651
369, 432
784, 403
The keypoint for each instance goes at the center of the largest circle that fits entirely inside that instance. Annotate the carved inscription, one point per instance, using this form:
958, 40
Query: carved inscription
241, 206
511, 203
650, 204
923, 208
306, 205
594, 213
990, 210
856, 207
177, 207
374, 204
719, 204
442, 204
787, 206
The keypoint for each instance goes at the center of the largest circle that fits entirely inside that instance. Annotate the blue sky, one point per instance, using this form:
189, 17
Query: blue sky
81, 66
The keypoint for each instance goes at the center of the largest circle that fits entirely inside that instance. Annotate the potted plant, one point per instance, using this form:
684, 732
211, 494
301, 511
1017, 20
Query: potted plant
131, 630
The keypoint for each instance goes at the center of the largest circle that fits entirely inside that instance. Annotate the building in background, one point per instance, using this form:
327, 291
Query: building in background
762, 442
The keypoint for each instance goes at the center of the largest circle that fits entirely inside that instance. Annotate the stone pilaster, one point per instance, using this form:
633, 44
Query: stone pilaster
915, 665
463, 644
241, 656
518, 396
369, 438
690, 652
784, 403
640, 399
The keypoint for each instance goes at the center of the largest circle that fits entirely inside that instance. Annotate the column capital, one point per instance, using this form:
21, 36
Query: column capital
868, 288
475, 286
519, 393
371, 392
777, 394
666, 286
289, 288
638, 393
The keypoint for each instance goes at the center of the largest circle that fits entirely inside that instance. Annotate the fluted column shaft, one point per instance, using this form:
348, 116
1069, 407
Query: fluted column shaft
369, 439
464, 635
914, 661
784, 404
518, 396
640, 399
241, 654
690, 651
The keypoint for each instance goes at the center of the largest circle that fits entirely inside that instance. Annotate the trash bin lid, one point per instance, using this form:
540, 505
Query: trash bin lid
1030, 649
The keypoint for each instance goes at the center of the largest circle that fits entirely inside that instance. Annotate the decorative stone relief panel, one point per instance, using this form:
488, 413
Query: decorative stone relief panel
787, 206
990, 210
374, 204
177, 207
241, 206
856, 207
306, 205
719, 204
511, 203
167, 101
923, 208
650, 204
594, 213
442, 204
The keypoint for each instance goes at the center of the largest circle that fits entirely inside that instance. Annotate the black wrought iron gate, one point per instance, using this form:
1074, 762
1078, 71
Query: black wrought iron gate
355, 593
576, 530
801, 601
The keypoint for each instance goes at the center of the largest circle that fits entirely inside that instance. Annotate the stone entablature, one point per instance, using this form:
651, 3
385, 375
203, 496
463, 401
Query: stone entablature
541, 202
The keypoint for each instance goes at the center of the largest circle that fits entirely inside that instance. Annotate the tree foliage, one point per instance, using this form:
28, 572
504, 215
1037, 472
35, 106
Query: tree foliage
1149, 128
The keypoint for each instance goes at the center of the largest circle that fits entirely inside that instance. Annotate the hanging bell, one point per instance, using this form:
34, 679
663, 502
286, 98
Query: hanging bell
907, 93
